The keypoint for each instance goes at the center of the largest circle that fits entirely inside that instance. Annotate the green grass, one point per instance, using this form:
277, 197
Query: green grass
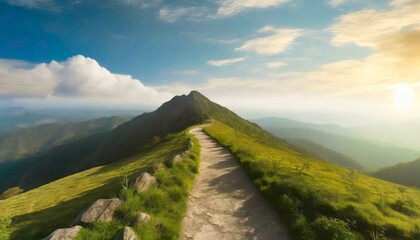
38, 212
314, 197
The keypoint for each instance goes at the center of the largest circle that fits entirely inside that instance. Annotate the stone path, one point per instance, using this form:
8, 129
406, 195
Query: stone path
224, 204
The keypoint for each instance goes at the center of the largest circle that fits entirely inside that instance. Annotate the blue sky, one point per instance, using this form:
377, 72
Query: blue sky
325, 57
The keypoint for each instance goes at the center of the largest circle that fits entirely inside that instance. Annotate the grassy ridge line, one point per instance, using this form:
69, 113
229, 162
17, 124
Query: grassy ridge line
37, 212
304, 190
166, 204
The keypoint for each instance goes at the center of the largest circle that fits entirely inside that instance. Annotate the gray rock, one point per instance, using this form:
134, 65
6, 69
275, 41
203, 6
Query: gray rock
144, 182
126, 234
102, 210
142, 218
64, 233
176, 159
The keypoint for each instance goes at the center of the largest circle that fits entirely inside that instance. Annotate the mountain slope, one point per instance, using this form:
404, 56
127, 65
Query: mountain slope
123, 141
370, 155
403, 173
27, 141
318, 151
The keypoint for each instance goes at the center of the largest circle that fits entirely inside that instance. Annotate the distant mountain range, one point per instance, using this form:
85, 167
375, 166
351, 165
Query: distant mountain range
402, 173
27, 141
318, 151
372, 155
12, 118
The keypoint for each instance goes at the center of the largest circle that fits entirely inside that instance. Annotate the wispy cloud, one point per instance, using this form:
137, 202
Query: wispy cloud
353, 27
173, 14
275, 64
142, 3
279, 40
219, 63
46, 5
336, 3
232, 7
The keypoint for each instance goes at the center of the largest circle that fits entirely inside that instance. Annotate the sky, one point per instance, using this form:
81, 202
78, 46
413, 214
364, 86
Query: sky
342, 61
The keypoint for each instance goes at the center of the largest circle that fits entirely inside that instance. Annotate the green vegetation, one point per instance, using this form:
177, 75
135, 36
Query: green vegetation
403, 173
166, 204
322, 201
4, 228
55, 205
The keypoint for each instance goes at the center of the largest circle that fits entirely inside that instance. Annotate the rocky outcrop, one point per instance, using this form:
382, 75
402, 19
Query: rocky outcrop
102, 210
142, 218
64, 233
144, 182
126, 234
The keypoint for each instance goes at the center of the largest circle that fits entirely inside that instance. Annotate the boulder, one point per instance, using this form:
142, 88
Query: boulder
102, 210
126, 234
142, 218
64, 233
176, 159
144, 182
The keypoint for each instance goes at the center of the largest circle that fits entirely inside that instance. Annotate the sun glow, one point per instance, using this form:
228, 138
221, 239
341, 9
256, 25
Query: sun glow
404, 97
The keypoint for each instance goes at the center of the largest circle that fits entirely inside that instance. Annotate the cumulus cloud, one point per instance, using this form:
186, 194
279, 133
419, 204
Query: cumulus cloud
173, 14
232, 7
277, 42
78, 78
219, 63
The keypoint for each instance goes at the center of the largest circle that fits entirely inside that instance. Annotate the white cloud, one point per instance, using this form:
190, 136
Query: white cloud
232, 7
279, 40
219, 63
275, 64
173, 14
78, 79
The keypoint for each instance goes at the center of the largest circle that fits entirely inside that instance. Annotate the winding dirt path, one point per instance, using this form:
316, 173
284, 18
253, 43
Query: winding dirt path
224, 204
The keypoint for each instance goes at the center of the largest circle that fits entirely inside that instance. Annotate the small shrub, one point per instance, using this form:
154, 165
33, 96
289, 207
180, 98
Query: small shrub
332, 229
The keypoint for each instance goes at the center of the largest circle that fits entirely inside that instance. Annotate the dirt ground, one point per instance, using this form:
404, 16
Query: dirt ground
224, 204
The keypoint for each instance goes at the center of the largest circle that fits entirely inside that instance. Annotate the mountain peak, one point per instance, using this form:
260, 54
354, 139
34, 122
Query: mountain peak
196, 94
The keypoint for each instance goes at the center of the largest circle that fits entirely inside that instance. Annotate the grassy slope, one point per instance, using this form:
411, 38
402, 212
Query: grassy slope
39, 211
321, 189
